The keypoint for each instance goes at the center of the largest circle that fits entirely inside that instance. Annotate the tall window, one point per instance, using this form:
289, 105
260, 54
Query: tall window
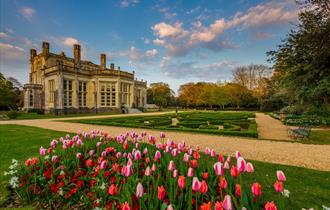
82, 94
31, 98
125, 89
108, 94
67, 93
51, 90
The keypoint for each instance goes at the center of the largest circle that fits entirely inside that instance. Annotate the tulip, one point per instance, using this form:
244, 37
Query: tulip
233, 171
186, 157
205, 175
104, 154
278, 186
206, 206
98, 144
175, 173
218, 169
104, 164
223, 182
118, 155
115, 167
256, 189
128, 171
129, 162
54, 158
280, 176
241, 164
174, 152
145, 151
207, 150
196, 155
226, 165
238, 190
42, 151
195, 184
137, 155
112, 189
221, 159
270, 206
169, 207
161, 192
213, 153
153, 167
203, 187
79, 155
249, 167
227, 204
147, 171
157, 155
79, 143
190, 172
139, 190
193, 163
126, 206
228, 159
182, 182
218, 205
237, 154
91, 153
125, 145
53, 143
162, 135
171, 166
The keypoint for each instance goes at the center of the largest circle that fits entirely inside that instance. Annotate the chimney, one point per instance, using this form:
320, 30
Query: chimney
45, 48
103, 61
76, 53
112, 66
33, 53
118, 68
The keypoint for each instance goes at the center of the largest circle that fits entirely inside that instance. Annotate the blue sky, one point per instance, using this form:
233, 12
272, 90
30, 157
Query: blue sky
169, 41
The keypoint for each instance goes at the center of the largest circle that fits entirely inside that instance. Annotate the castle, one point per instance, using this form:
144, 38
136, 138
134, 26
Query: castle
60, 84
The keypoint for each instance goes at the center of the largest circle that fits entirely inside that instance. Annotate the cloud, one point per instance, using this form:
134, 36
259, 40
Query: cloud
163, 30
151, 53
28, 13
261, 35
3, 35
69, 41
11, 53
128, 3
193, 10
167, 14
210, 72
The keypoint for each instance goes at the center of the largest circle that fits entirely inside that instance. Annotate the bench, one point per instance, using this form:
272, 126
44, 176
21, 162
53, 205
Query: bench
302, 131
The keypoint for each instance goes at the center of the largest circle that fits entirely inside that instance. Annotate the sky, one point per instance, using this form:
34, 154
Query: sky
172, 41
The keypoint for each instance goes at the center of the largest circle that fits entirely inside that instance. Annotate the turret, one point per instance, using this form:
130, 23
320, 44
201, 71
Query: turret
112, 66
45, 48
103, 61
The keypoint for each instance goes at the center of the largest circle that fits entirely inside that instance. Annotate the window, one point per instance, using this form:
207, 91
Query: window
108, 94
31, 99
67, 93
51, 90
125, 89
82, 94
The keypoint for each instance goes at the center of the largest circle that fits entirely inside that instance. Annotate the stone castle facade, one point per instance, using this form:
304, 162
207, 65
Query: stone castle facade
59, 84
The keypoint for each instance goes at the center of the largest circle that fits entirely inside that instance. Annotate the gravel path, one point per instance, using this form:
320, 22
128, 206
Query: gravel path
288, 153
270, 128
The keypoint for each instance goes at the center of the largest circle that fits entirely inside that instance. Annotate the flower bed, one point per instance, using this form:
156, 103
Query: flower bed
95, 171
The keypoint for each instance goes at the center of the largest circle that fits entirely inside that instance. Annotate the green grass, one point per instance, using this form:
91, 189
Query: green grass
20, 143
317, 137
235, 123
308, 188
34, 115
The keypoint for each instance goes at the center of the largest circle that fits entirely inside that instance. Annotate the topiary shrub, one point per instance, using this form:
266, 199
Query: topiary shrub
293, 109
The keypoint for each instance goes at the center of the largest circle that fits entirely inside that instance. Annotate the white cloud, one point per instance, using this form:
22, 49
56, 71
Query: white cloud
159, 42
167, 14
69, 41
28, 13
166, 30
128, 3
151, 53
3, 35
10, 52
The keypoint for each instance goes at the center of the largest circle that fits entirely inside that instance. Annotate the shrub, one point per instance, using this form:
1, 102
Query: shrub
13, 114
293, 109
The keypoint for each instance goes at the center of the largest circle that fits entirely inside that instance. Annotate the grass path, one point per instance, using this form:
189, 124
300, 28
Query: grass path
288, 153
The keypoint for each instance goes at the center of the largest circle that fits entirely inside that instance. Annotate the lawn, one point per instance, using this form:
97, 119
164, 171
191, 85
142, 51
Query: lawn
220, 123
308, 188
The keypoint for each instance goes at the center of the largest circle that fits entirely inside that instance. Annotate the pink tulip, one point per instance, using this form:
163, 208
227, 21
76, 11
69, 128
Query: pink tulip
278, 186
79, 143
139, 190
153, 167
280, 176
157, 155
162, 135
218, 169
228, 159
174, 152
182, 182
171, 166
126, 170
186, 157
256, 189
104, 154
98, 144
169, 207
207, 151
227, 204
195, 184
104, 164
147, 171
237, 154
137, 155
54, 158
249, 167
226, 165
42, 151
241, 164
213, 153
79, 155
175, 173
118, 155
125, 206
190, 172
145, 151
203, 187
91, 153
129, 162
53, 143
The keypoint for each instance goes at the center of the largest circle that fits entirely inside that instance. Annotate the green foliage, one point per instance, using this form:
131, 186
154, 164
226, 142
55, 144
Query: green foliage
293, 109
160, 94
9, 95
13, 114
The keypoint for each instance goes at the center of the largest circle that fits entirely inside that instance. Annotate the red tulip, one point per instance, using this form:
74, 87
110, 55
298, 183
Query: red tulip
256, 189
278, 186
195, 184
221, 159
238, 190
190, 172
233, 171
196, 155
161, 192
112, 189
205, 175
218, 205
206, 206
125, 206
182, 182
270, 206
194, 163
223, 183
249, 168
203, 187
125, 145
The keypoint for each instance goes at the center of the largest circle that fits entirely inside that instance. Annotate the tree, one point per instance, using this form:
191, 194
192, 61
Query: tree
9, 95
302, 61
160, 94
